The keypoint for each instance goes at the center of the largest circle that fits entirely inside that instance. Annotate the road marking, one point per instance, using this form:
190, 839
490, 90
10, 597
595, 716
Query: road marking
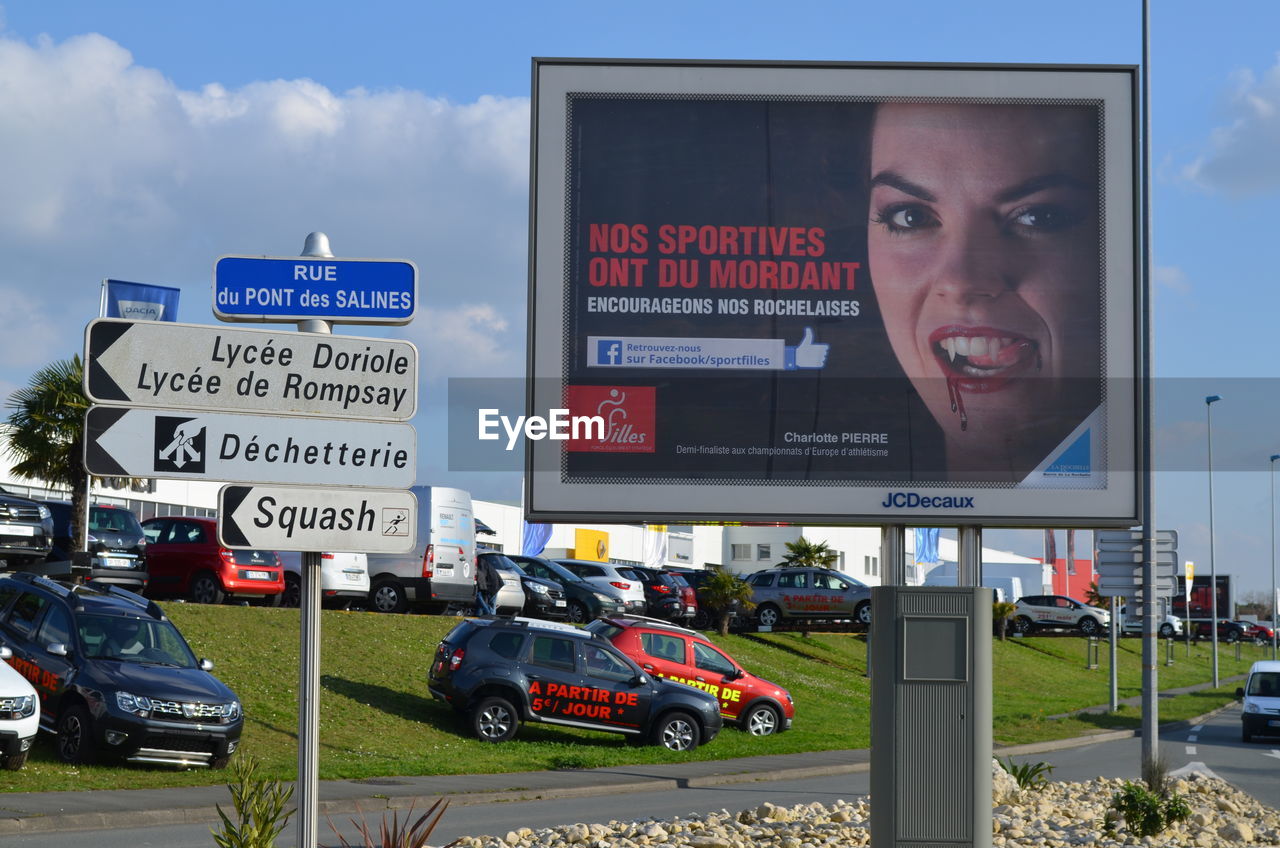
1193, 768
1272, 753
1191, 750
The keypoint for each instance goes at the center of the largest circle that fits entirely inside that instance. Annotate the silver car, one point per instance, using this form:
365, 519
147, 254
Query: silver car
802, 592
611, 578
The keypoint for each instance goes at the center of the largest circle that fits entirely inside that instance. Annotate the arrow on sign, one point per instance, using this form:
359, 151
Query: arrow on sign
136, 442
296, 518
193, 366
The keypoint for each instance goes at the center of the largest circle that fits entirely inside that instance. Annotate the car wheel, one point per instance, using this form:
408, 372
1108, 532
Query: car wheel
701, 620
292, 596
1166, 631
761, 720
205, 589
1022, 625
494, 720
75, 736
13, 762
387, 596
1089, 626
768, 615
1245, 736
1231, 636
676, 732
862, 613
578, 612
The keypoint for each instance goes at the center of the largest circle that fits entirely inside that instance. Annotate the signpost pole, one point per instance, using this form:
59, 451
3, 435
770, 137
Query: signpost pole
1115, 692
308, 785
1150, 705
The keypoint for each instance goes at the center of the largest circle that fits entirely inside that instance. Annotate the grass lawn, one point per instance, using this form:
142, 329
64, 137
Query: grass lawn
377, 718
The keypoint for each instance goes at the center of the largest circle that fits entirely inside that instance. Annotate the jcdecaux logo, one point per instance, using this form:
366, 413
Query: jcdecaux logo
915, 500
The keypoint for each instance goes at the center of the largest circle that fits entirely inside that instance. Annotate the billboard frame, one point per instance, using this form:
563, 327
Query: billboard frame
548, 497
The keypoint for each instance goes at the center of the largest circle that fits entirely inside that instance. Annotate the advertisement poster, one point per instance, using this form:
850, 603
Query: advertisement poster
835, 292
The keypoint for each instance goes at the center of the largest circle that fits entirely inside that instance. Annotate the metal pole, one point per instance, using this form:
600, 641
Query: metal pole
308, 784
969, 556
1115, 686
893, 554
1150, 683
1274, 457
1213, 572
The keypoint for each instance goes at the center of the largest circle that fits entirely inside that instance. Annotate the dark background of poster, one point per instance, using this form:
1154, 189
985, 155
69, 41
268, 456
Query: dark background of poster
739, 162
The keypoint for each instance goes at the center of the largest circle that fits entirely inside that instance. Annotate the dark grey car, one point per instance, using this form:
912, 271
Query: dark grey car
802, 592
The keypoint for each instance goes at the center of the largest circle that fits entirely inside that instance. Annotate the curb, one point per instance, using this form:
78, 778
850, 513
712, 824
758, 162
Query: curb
45, 823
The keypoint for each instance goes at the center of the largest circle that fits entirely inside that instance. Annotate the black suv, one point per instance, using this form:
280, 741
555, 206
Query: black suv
26, 531
114, 676
662, 595
501, 671
583, 601
117, 545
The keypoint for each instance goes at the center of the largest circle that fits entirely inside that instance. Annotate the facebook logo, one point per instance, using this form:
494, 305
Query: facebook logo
608, 352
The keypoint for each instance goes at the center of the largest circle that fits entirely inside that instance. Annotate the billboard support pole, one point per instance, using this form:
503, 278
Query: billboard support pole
893, 553
308, 783
969, 556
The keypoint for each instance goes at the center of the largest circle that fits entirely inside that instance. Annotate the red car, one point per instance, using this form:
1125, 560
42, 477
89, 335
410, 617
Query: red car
185, 559
664, 650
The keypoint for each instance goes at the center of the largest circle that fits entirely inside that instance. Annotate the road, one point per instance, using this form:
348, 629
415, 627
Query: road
1214, 746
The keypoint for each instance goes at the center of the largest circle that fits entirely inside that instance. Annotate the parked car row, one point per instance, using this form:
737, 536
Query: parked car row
644, 678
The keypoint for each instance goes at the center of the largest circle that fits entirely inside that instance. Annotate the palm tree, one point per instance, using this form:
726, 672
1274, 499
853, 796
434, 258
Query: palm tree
802, 552
46, 432
1094, 598
722, 592
1001, 612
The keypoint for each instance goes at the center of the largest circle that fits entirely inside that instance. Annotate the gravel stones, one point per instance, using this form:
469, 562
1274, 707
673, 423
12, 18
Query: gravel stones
1059, 815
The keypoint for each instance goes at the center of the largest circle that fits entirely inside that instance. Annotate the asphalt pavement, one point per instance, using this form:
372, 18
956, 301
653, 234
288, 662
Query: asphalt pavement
33, 812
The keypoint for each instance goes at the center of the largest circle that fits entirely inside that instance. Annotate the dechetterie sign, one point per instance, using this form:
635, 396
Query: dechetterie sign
299, 288
213, 368
835, 293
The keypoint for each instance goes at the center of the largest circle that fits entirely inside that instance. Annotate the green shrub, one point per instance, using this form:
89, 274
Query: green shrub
1144, 812
1028, 775
260, 809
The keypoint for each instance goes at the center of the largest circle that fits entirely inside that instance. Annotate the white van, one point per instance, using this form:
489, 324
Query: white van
439, 574
1260, 697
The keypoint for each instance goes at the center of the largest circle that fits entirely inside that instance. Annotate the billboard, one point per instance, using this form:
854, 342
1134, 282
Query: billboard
834, 293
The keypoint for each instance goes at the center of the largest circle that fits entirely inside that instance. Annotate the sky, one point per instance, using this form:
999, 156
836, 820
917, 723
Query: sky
142, 140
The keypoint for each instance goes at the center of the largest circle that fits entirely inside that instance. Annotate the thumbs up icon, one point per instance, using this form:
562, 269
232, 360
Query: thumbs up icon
807, 354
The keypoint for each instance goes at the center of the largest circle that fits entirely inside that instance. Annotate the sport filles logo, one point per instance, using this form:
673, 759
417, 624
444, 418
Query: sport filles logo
628, 413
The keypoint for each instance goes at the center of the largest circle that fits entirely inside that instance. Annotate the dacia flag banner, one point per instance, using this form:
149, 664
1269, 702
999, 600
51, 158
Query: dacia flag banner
139, 301
819, 292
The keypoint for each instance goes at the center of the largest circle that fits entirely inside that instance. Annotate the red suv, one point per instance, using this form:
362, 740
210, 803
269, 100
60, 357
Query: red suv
184, 558
757, 706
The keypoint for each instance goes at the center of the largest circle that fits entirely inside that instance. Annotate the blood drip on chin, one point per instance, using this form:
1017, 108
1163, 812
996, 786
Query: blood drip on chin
957, 401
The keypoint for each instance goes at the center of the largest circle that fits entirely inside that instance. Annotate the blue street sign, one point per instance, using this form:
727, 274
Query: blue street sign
303, 288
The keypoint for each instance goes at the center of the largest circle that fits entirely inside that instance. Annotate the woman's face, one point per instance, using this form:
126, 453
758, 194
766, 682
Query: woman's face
983, 251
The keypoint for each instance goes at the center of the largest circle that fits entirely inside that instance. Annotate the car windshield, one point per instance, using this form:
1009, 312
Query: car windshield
103, 519
561, 572
1265, 684
129, 638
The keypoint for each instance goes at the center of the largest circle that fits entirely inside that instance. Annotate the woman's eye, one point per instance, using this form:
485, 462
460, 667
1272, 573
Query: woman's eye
907, 217
1044, 218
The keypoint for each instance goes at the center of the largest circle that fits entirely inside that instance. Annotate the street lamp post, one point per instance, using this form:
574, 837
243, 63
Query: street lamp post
1274, 457
1213, 574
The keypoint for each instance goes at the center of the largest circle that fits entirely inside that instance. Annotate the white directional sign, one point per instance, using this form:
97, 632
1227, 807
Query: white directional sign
1120, 562
138, 442
294, 518
200, 367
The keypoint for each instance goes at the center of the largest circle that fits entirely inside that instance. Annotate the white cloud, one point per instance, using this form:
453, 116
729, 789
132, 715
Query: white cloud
1172, 278
1243, 157
111, 170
